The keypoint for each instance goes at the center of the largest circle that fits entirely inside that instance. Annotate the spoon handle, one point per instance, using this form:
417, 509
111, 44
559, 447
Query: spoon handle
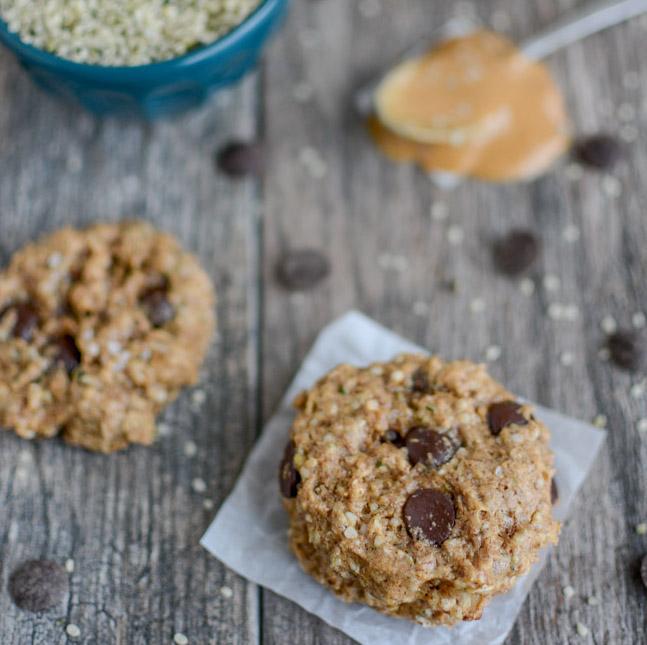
582, 22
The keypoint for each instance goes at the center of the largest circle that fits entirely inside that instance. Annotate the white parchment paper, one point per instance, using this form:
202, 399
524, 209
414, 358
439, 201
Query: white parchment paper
249, 533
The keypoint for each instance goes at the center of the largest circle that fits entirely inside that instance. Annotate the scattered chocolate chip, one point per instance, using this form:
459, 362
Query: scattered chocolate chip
503, 414
26, 321
289, 477
601, 151
394, 437
241, 158
627, 349
430, 447
302, 269
554, 493
420, 381
643, 570
516, 252
157, 306
38, 585
67, 352
429, 515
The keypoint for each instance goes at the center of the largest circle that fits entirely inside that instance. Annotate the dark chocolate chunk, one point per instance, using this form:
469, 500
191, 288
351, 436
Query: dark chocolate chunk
429, 515
627, 349
420, 381
157, 306
38, 585
601, 151
289, 478
643, 570
554, 492
503, 414
302, 269
516, 252
394, 437
67, 353
430, 447
241, 158
26, 321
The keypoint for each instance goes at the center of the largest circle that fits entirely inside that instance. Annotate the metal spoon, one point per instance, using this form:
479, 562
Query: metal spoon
578, 24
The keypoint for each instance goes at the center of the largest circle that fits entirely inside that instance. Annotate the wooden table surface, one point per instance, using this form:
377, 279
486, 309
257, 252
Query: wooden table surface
131, 521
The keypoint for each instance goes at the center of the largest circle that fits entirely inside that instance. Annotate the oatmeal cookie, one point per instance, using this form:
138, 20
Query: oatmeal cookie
418, 487
99, 330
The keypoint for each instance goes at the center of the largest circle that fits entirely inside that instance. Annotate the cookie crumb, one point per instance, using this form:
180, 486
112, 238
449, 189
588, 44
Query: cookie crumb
199, 485
592, 601
642, 425
226, 592
69, 565
180, 639
207, 504
637, 390
190, 449
73, 630
569, 592
641, 529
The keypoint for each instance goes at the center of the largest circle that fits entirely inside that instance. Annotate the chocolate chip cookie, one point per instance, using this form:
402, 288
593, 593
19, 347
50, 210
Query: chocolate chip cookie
99, 330
418, 487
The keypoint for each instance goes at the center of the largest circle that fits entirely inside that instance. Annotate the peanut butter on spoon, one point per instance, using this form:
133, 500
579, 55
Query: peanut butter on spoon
475, 106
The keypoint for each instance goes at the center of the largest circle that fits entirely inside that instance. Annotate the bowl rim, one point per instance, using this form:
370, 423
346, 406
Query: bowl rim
129, 72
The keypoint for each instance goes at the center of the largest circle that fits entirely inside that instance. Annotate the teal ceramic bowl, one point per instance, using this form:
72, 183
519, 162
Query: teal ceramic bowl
158, 89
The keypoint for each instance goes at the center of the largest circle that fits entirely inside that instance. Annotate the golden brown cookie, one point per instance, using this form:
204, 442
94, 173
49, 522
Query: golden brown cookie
99, 330
418, 487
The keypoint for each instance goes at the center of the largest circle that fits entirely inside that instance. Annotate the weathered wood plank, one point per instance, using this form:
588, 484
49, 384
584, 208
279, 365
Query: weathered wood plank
390, 259
131, 522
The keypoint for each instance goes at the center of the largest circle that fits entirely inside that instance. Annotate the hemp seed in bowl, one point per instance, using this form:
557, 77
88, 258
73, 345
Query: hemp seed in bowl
122, 32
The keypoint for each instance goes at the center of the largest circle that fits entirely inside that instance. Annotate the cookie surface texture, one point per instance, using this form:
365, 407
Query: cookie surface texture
100, 328
418, 487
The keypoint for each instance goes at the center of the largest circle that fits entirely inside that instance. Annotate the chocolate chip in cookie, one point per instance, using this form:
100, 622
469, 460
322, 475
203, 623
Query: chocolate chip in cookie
27, 320
38, 585
504, 413
627, 349
516, 252
420, 381
429, 447
289, 478
67, 352
429, 515
302, 269
157, 306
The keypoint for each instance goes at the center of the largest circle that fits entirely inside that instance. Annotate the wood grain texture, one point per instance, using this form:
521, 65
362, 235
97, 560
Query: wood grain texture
391, 258
131, 522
